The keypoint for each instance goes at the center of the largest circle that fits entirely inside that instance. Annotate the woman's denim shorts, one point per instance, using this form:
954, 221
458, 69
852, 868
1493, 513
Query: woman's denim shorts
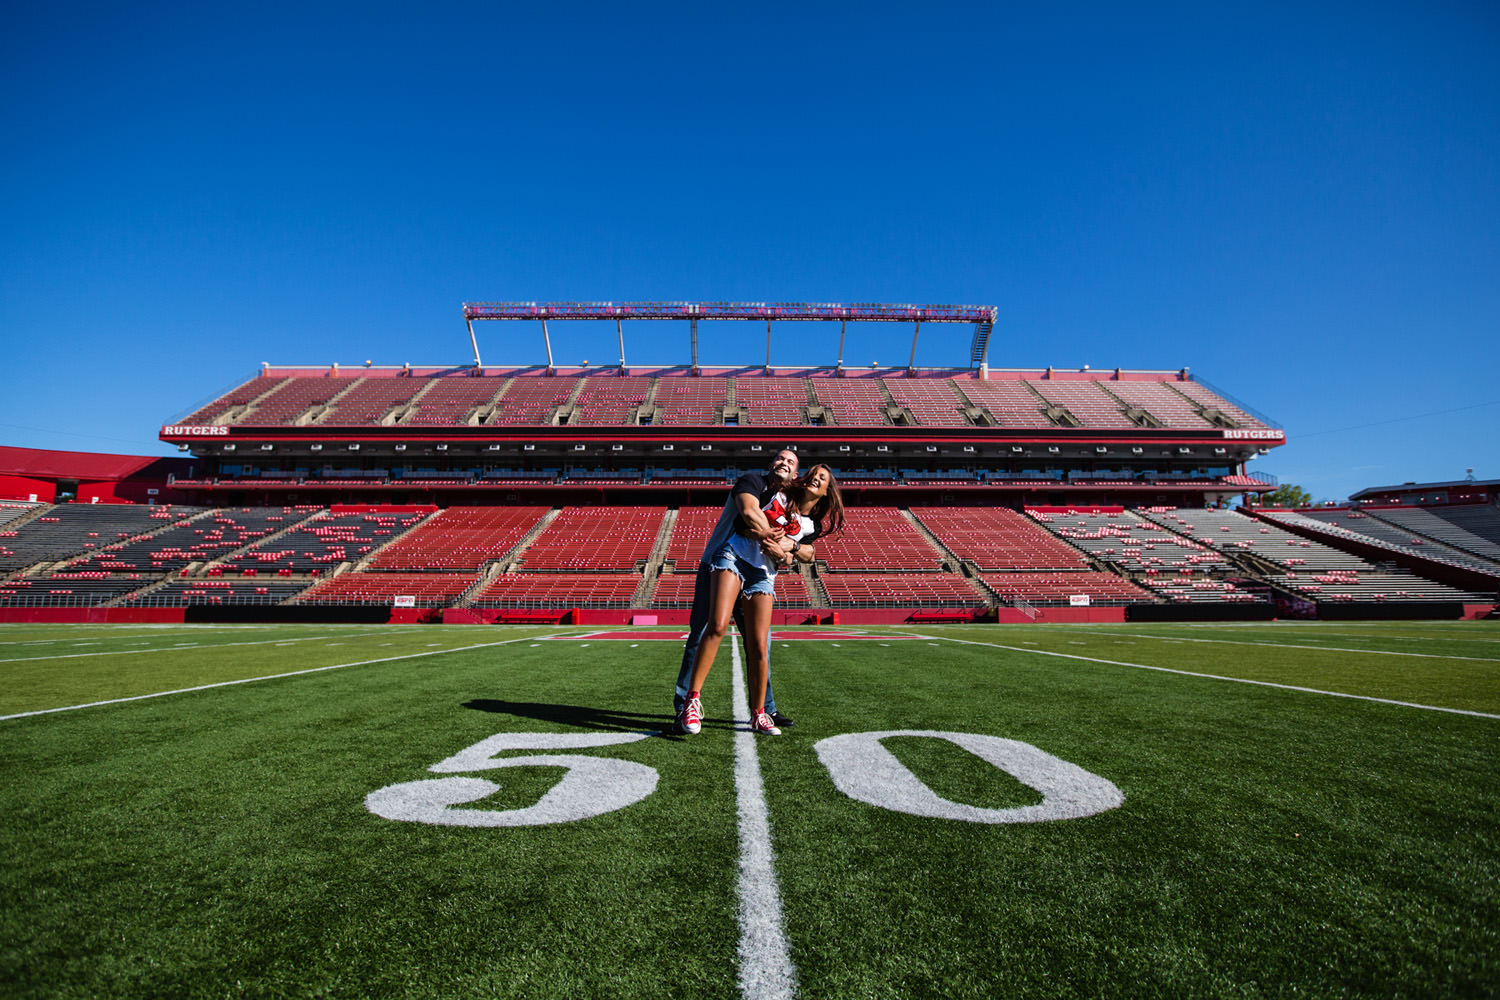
753, 579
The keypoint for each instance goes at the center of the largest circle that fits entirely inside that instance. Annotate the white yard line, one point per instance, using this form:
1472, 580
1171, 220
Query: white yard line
1293, 645
766, 970
252, 680
169, 649
1233, 680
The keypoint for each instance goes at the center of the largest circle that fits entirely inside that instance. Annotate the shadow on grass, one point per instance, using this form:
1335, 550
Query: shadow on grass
583, 716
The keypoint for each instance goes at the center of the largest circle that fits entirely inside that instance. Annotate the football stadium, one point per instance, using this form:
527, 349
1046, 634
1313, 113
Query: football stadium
365, 692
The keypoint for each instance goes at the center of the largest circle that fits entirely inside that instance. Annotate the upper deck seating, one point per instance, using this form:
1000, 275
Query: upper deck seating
294, 397
853, 402
900, 590
238, 396
878, 538
230, 591
997, 538
459, 538
770, 401
371, 399
188, 541
609, 399
325, 540
595, 538
1010, 401
81, 529
562, 590
428, 590
931, 401
1085, 400
1207, 398
1170, 408
450, 399
691, 399
1454, 526
530, 399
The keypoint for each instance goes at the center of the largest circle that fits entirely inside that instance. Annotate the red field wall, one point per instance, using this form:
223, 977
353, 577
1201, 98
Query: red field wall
95, 616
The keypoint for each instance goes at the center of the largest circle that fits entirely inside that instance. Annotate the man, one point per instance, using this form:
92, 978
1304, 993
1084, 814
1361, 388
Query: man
757, 488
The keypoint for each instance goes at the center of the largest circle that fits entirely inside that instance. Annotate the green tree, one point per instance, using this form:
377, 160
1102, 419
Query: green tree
1287, 495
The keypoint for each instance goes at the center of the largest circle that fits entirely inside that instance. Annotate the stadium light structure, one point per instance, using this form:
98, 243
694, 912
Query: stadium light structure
982, 317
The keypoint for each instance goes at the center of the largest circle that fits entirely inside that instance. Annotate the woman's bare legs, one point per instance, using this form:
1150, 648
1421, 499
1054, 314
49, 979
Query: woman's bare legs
757, 651
724, 591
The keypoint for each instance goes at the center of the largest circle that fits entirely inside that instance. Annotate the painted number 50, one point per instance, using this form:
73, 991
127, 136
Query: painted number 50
861, 767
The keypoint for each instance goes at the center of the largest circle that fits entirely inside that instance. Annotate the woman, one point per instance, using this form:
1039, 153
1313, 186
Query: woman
806, 509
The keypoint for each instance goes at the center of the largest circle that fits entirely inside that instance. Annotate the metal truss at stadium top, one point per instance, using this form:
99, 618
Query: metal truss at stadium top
983, 318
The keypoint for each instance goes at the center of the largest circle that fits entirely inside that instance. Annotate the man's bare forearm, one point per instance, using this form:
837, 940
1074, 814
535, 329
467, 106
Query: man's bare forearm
755, 518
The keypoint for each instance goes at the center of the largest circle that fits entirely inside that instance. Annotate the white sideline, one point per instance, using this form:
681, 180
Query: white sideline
766, 970
252, 680
1220, 677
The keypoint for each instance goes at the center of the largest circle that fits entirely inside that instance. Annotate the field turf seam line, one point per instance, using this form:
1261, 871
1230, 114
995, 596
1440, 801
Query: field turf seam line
267, 677
1234, 680
766, 970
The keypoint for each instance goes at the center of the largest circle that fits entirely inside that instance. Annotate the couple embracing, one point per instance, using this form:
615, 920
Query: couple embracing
768, 524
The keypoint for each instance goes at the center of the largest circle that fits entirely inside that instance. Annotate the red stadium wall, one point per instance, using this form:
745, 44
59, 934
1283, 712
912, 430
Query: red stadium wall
99, 478
13, 487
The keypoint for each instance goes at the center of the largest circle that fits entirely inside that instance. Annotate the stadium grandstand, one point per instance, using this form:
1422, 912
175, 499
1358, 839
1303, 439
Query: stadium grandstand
585, 493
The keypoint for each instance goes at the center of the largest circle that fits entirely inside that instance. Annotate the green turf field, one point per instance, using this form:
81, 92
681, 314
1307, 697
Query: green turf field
299, 811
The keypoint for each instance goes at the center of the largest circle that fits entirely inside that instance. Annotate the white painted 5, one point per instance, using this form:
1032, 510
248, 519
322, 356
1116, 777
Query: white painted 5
591, 786
863, 769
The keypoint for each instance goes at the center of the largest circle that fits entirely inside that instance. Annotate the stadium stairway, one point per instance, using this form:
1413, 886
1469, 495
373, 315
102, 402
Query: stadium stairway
27, 517
401, 413
363, 563
510, 563
490, 570
951, 561
315, 413
215, 563
237, 412
653, 564
817, 595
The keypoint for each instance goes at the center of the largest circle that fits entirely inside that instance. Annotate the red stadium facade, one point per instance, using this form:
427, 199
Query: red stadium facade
546, 433
549, 493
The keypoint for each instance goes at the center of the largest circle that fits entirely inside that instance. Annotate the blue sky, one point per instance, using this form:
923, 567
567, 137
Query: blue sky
1299, 202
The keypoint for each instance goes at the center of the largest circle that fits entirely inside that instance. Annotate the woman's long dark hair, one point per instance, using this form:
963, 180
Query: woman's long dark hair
828, 511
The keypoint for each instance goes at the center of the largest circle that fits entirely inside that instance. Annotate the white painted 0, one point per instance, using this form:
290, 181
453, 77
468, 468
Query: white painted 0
863, 769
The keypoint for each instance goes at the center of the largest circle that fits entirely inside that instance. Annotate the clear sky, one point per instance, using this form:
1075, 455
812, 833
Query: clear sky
1300, 202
